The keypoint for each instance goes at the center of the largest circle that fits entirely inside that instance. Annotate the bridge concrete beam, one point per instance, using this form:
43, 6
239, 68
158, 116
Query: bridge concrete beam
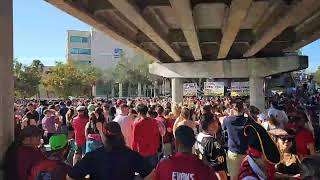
133, 15
184, 13
256, 69
237, 13
292, 16
235, 68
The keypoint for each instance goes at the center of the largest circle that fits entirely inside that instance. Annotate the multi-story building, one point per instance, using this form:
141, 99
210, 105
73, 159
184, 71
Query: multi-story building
93, 47
79, 46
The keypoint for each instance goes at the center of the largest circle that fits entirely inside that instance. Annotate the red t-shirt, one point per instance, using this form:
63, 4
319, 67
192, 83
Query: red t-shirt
146, 137
79, 126
303, 138
50, 166
27, 157
184, 166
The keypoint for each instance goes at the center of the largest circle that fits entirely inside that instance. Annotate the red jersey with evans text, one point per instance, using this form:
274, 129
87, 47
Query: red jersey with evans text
184, 166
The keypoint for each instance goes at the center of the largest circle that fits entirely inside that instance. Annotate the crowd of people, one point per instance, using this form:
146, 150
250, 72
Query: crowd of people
199, 139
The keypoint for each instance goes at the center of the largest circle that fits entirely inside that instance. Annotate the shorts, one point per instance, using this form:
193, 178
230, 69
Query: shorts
234, 161
167, 149
81, 149
222, 166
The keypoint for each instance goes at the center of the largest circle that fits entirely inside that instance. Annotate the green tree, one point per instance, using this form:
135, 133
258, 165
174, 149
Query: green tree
63, 79
132, 71
90, 75
121, 70
107, 80
71, 79
27, 78
316, 76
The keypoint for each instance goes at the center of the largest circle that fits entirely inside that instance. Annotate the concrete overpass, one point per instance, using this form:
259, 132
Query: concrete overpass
187, 38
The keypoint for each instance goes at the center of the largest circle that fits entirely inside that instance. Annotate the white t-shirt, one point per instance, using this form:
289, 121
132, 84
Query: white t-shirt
126, 125
280, 116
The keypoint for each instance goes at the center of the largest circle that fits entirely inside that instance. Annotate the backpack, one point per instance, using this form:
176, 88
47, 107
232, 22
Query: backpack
51, 173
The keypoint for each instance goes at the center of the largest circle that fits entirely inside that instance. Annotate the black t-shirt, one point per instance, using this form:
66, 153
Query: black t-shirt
114, 165
92, 129
237, 142
210, 148
32, 115
63, 111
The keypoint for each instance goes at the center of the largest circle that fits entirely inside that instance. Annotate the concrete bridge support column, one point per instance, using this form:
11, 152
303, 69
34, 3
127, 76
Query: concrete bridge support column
145, 90
112, 91
155, 93
120, 90
257, 96
139, 89
94, 90
164, 87
6, 77
177, 92
253, 68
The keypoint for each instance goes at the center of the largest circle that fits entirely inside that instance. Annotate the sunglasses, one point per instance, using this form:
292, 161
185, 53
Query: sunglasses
286, 139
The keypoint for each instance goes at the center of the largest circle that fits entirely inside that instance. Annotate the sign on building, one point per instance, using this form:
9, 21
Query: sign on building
190, 89
117, 52
213, 89
240, 89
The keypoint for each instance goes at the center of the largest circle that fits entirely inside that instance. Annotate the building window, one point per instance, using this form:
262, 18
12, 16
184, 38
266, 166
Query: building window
78, 39
84, 62
80, 51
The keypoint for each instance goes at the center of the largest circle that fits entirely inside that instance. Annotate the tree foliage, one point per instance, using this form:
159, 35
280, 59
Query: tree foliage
316, 76
71, 79
74, 79
132, 70
27, 78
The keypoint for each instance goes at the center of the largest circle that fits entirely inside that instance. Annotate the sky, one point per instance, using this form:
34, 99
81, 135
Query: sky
40, 32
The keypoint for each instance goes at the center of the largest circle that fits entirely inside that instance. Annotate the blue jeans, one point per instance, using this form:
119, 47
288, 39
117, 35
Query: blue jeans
92, 145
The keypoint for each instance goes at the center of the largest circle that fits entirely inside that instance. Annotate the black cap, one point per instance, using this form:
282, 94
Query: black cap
260, 140
185, 135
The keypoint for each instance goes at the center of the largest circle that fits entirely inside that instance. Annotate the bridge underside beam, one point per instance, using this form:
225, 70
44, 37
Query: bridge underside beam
236, 68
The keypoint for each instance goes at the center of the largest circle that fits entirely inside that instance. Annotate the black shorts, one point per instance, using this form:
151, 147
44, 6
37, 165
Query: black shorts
221, 166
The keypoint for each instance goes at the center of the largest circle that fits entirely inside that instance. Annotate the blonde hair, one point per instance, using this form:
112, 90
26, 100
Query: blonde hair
273, 121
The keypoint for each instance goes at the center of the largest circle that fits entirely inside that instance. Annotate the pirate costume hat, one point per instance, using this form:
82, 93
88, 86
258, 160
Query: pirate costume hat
261, 144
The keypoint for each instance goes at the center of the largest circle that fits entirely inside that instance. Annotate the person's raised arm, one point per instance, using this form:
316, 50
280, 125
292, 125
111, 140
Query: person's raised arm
86, 129
150, 176
311, 148
81, 168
